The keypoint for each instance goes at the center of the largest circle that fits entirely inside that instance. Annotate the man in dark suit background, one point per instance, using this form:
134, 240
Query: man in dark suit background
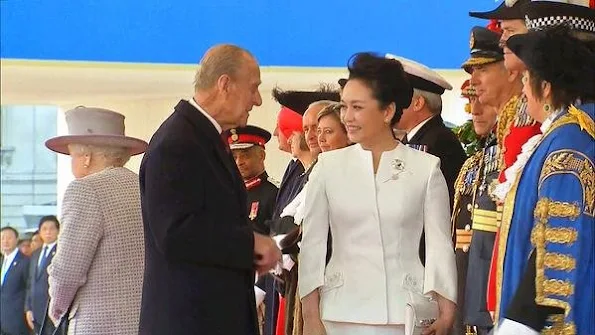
424, 125
201, 252
37, 288
425, 128
13, 284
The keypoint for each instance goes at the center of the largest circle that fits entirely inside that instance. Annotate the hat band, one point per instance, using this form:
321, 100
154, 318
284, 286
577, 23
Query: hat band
247, 139
576, 23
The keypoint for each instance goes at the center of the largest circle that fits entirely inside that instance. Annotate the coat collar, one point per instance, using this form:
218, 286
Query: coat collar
431, 123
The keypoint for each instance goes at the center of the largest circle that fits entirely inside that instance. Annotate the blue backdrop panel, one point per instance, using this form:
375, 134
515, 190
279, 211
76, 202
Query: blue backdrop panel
278, 32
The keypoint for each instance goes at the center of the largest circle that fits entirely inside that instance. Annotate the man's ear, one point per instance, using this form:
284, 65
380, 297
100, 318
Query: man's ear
514, 75
224, 83
419, 102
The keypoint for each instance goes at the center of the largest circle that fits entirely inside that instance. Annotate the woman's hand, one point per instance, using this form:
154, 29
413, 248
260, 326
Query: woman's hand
313, 326
443, 325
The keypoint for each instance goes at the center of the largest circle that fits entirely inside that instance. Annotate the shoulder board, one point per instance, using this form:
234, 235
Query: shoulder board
522, 118
274, 181
420, 147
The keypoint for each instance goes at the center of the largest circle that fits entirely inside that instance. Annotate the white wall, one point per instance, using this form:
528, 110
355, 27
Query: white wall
147, 93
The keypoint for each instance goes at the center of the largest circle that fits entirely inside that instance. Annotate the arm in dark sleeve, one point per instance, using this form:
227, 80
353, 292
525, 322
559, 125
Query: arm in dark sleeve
174, 207
30, 274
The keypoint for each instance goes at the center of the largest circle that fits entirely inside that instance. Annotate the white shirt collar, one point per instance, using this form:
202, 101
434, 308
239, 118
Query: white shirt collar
209, 117
415, 129
49, 246
10, 257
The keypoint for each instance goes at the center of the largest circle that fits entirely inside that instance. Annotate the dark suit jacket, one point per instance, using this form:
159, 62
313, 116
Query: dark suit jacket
199, 276
12, 297
37, 289
444, 144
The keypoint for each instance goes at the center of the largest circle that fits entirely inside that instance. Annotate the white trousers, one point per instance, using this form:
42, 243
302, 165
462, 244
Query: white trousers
345, 328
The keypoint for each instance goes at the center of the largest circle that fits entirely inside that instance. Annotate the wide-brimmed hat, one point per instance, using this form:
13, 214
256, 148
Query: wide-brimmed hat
557, 57
484, 45
578, 15
95, 126
508, 10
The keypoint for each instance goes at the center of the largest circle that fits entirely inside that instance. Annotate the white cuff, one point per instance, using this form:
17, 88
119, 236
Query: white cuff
510, 327
259, 294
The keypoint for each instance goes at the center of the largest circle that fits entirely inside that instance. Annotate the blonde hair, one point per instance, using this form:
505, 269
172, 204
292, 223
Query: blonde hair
112, 156
223, 59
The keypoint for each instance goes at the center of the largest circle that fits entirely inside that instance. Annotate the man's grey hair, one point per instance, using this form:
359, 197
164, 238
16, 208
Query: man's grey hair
224, 59
433, 100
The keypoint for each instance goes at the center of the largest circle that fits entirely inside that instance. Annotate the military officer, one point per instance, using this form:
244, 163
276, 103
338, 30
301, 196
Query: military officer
248, 147
474, 202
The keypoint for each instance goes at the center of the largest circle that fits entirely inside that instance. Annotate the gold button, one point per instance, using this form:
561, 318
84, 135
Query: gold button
476, 206
469, 207
465, 248
467, 227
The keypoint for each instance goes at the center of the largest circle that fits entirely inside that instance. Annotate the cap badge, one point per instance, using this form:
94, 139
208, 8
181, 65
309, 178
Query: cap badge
234, 135
471, 41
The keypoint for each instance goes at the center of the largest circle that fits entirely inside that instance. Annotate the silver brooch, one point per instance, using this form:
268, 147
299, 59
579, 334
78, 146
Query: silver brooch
398, 166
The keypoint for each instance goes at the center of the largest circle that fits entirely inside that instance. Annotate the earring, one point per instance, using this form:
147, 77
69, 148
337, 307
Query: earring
547, 108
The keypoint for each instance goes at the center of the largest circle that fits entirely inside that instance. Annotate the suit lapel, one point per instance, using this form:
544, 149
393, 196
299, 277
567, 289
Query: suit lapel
46, 263
433, 122
15, 262
205, 129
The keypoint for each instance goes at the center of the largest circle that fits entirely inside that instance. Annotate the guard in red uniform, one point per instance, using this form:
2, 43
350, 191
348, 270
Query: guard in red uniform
248, 147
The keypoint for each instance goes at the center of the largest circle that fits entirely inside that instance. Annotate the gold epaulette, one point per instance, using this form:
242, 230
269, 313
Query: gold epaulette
506, 118
583, 119
522, 118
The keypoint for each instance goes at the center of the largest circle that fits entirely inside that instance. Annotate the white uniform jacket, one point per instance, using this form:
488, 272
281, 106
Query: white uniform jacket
376, 223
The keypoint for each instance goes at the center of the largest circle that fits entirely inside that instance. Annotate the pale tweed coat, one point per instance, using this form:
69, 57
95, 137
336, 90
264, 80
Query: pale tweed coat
101, 258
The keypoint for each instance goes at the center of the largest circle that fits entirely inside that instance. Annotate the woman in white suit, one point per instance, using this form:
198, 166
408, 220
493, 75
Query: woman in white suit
376, 197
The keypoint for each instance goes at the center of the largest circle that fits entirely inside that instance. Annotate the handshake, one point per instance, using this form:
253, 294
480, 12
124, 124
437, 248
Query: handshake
266, 253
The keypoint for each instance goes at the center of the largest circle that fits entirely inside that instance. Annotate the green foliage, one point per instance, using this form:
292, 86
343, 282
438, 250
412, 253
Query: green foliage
467, 136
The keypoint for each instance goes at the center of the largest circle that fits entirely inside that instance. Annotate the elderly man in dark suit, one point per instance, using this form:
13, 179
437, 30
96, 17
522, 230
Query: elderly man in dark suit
37, 288
201, 252
425, 128
424, 125
13, 284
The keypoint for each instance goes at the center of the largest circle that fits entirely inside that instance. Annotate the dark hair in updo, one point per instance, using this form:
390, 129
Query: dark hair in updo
386, 78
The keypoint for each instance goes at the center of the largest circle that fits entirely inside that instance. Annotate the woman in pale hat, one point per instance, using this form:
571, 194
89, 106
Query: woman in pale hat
95, 279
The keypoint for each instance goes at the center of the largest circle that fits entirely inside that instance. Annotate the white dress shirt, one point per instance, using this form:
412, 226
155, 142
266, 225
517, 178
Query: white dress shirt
49, 248
207, 115
6, 261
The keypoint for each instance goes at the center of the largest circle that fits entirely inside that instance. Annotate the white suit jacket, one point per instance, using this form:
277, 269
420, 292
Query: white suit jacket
376, 223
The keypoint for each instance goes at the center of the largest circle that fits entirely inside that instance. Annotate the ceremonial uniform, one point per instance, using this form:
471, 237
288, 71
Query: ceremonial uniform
261, 191
481, 233
546, 269
465, 189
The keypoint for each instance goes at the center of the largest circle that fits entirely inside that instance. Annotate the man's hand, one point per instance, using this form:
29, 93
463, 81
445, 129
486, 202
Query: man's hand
266, 253
29, 317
